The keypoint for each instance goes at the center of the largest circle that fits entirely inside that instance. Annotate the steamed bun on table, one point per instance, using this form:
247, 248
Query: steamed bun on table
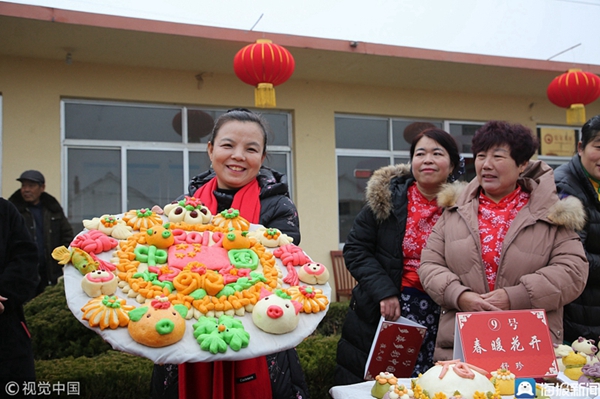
383, 382
573, 363
450, 376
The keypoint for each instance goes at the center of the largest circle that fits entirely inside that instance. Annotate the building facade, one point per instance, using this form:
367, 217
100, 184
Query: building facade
116, 111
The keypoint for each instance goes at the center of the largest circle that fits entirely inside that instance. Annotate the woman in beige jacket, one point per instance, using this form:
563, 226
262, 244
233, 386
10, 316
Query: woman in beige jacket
506, 241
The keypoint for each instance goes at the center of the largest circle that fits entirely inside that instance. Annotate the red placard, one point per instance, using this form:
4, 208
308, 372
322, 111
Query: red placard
395, 348
518, 340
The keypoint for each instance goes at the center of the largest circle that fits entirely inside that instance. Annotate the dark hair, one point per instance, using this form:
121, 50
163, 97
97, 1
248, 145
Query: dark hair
411, 130
241, 115
519, 139
445, 140
590, 130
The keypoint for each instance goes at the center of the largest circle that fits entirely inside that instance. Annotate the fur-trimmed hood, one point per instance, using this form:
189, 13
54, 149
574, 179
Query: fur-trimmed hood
538, 179
385, 181
379, 193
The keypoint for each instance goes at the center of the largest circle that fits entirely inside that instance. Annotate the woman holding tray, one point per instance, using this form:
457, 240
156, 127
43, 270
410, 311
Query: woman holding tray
507, 241
384, 247
237, 149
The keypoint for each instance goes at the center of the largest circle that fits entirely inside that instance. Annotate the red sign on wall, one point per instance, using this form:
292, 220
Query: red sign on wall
517, 340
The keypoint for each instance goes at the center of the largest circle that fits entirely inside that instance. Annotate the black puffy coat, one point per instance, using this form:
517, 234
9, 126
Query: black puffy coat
18, 280
276, 208
57, 229
582, 316
373, 255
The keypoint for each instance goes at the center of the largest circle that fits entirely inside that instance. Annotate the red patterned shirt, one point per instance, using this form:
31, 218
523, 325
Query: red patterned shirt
494, 221
421, 217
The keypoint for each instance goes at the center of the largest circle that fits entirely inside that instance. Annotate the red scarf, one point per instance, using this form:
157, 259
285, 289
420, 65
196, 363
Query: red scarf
243, 379
245, 199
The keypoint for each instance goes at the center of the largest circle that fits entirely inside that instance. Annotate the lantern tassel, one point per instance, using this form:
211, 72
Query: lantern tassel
576, 115
264, 95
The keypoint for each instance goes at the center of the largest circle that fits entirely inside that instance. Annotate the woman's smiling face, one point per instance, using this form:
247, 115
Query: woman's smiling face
590, 157
497, 172
237, 153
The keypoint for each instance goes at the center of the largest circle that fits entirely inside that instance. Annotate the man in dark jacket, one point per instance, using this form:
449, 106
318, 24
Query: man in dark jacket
46, 221
18, 279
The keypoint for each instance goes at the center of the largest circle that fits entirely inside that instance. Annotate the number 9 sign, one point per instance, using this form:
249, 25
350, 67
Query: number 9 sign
494, 324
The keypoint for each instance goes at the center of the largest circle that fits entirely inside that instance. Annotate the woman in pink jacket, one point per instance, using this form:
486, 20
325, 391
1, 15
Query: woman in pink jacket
506, 241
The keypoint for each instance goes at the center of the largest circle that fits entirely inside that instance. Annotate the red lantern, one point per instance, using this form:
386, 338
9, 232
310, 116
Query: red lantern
573, 90
264, 65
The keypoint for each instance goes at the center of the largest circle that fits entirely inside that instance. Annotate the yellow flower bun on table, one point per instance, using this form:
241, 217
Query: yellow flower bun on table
573, 363
399, 391
504, 381
382, 384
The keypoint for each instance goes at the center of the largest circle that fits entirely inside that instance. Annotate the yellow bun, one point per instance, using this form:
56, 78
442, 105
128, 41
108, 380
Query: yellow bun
573, 363
574, 359
504, 381
156, 324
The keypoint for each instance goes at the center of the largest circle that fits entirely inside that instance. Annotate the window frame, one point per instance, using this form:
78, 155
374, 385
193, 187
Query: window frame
183, 147
390, 154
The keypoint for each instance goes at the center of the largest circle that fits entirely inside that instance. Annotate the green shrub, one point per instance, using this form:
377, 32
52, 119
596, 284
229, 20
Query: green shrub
109, 375
333, 320
55, 331
66, 351
317, 357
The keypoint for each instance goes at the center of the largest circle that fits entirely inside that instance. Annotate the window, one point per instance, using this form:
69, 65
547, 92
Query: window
464, 132
365, 144
122, 156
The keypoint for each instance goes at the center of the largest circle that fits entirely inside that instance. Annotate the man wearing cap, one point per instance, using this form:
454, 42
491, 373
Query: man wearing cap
46, 221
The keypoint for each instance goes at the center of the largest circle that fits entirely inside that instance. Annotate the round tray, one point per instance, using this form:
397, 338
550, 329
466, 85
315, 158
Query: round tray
188, 349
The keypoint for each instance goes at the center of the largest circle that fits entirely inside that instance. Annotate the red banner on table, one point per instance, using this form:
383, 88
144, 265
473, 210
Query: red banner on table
518, 340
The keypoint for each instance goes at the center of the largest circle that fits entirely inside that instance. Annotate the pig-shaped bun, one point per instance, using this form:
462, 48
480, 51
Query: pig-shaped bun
157, 324
99, 282
276, 312
313, 273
